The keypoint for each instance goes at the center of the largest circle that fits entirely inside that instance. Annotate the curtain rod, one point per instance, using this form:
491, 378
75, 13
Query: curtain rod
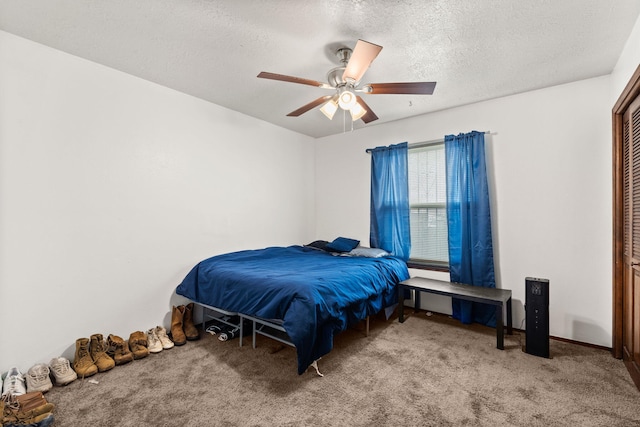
425, 143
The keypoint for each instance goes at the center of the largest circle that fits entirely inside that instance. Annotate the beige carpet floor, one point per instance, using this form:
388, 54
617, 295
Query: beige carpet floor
429, 371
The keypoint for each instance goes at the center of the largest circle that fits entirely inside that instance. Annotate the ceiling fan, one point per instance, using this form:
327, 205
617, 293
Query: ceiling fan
345, 81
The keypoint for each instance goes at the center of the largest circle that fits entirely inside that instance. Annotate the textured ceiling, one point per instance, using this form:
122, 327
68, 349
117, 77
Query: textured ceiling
475, 50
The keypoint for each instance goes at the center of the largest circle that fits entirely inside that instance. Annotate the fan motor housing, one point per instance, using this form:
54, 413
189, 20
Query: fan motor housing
334, 77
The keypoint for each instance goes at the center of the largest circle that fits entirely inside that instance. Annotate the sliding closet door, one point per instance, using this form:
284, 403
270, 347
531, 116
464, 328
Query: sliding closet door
631, 239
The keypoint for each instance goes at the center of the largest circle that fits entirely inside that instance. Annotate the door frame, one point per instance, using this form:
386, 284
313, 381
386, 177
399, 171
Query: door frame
628, 95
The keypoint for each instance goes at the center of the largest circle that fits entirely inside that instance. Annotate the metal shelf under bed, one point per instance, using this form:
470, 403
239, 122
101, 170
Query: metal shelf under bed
269, 328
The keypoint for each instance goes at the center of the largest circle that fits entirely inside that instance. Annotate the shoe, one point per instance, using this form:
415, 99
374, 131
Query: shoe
98, 350
43, 420
164, 339
138, 344
33, 404
61, 371
13, 383
154, 344
190, 331
82, 361
118, 349
229, 333
29, 409
38, 378
215, 329
177, 333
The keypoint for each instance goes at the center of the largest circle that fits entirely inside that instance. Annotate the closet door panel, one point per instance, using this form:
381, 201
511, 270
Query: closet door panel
628, 312
631, 239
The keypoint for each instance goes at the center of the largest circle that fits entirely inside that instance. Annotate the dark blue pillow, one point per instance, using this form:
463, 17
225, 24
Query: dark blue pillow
342, 244
318, 244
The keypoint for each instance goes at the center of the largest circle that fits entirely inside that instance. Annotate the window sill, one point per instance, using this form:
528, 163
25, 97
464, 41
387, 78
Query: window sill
427, 266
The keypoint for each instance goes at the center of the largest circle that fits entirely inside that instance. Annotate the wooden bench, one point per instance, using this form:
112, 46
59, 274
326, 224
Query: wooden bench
493, 296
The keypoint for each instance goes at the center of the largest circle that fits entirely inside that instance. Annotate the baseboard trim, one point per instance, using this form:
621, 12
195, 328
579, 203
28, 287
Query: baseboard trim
582, 343
567, 340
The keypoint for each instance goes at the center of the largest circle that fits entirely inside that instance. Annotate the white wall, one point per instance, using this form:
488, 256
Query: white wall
627, 63
549, 156
113, 187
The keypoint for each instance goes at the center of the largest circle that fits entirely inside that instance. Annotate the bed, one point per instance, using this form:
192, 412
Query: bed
313, 294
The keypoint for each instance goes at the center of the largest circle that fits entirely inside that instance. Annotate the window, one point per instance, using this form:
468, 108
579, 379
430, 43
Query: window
427, 199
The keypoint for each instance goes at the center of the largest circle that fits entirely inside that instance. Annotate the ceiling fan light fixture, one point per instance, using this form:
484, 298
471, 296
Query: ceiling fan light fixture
329, 108
347, 99
357, 112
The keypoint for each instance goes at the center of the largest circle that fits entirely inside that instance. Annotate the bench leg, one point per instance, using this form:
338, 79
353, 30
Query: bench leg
400, 304
509, 318
500, 326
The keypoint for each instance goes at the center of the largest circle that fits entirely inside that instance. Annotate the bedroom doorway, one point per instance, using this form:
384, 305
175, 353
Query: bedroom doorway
626, 227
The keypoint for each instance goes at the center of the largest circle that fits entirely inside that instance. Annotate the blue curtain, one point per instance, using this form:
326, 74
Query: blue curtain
469, 221
390, 200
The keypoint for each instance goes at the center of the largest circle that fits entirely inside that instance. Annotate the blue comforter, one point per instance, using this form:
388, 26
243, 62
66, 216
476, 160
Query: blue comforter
314, 293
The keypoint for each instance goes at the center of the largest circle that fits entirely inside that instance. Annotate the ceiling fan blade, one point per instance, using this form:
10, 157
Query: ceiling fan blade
415, 88
290, 79
309, 106
369, 116
363, 55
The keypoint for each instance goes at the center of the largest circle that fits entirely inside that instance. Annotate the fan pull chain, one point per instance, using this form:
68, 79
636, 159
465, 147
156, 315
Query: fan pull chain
344, 121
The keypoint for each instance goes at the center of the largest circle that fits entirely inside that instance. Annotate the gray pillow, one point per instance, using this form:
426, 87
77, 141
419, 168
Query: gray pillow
368, 252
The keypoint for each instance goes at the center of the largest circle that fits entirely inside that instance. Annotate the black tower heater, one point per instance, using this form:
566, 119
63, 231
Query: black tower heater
537, 316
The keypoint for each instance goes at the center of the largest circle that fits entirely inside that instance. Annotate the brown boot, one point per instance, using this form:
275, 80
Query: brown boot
190, 331
177, 333
31, 400
82, 362
99, 353
27, 420
22, 414
26, 409
118, 350
138, 344
8, 405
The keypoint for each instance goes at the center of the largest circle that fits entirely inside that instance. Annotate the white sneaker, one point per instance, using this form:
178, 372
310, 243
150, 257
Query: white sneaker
38, 378
153, 342
61, 371
164, 339
13, 383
